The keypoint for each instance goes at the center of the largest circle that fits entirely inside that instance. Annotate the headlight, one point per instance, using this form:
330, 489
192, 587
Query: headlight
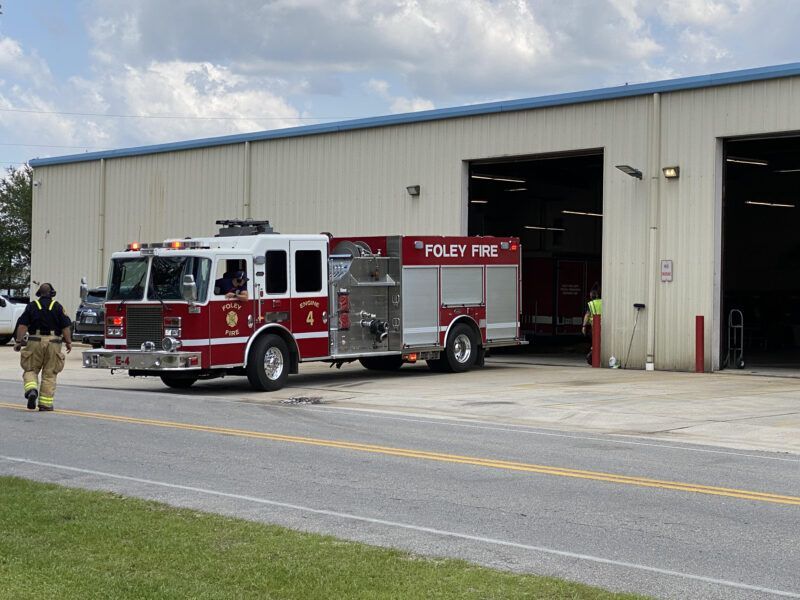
170, 344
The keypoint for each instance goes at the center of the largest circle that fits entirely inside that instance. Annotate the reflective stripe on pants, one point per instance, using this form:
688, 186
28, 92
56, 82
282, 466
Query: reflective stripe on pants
45, 357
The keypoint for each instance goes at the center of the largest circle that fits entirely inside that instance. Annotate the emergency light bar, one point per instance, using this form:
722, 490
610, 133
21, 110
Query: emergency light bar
169, 244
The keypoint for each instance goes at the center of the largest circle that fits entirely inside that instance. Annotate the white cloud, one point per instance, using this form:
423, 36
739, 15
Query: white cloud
195, 90
397, 104
15, 62
712, 13
700, 48
175, 88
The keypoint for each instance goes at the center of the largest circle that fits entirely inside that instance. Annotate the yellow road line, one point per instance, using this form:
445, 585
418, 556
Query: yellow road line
442, 457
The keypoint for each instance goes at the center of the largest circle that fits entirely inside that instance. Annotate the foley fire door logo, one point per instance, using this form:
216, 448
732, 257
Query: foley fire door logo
231, 311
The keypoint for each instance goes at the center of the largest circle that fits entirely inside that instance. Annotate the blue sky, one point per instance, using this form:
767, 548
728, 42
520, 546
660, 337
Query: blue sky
151, 71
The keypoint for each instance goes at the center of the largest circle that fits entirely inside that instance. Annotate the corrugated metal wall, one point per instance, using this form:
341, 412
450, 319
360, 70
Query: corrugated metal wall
355, 182
66, 225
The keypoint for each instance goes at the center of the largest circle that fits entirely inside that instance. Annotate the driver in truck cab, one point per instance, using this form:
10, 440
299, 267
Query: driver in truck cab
234, 286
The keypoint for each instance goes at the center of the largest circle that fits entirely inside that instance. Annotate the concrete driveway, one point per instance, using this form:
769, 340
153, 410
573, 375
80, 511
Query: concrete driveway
745, 412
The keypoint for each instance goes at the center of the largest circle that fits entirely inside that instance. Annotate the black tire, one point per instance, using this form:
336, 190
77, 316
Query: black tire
461, 350
178, 382
268, 364
382, 363
4, 339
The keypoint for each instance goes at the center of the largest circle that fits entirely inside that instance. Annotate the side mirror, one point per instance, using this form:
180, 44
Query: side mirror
84, 289
2, 303
189, 289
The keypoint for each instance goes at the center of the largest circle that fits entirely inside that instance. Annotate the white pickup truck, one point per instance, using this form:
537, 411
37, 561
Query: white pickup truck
9, 313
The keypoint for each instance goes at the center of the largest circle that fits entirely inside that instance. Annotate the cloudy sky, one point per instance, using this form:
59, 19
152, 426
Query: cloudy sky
97, 74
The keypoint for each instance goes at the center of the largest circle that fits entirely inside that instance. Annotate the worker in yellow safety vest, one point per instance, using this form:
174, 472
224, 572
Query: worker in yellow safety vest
593, 307
42, 328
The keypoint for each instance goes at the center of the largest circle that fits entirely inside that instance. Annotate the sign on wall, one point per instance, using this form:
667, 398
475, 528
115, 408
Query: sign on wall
666, 270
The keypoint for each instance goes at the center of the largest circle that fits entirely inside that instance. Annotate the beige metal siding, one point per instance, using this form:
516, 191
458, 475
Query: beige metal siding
66, 221
355, 182
693, 124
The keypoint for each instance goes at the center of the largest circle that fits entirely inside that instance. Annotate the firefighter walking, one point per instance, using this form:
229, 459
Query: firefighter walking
47, 327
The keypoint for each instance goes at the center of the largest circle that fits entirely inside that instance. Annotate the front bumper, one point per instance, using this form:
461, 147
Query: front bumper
140, 360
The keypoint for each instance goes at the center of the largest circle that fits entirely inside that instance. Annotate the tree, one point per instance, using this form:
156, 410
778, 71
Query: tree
15, 228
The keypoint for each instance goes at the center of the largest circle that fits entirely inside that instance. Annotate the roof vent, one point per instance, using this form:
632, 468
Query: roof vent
236, 227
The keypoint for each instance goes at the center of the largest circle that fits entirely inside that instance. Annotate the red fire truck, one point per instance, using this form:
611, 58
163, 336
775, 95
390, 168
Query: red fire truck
384, 301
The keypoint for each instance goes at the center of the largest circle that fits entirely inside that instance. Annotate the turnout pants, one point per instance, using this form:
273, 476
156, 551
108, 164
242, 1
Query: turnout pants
42, 354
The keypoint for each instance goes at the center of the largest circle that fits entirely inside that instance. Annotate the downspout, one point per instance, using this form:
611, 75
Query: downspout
247, 210
653, 266
101, 226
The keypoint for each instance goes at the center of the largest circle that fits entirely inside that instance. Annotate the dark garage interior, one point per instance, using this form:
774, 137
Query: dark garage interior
554, 204
761, 253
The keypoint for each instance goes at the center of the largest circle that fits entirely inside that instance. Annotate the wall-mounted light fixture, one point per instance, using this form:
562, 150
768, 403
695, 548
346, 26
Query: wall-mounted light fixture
629, 170
413, 190
672, 172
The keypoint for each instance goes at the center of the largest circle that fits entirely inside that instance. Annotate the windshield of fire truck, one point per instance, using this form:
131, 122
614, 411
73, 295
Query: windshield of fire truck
166, 276
127, 279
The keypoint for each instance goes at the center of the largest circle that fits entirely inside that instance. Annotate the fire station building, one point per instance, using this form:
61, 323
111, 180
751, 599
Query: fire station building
677, 196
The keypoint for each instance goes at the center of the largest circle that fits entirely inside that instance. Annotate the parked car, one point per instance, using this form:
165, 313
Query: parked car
10, 311
90, 318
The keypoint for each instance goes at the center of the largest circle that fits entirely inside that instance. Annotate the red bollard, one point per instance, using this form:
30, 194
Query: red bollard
699, 344
595, 341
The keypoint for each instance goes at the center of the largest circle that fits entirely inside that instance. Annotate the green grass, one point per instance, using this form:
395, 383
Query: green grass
63, 543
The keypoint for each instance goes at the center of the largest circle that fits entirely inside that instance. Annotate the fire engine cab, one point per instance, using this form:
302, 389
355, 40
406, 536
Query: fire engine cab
385, 301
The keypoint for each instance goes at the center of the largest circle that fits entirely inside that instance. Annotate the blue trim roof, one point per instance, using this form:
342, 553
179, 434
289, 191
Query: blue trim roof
611, 93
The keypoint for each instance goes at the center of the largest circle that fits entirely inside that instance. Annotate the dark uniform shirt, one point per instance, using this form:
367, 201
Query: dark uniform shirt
44, 317
225, 285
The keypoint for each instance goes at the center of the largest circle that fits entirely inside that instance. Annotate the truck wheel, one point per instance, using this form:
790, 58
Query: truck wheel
177, 382
268, 363
4, 339
461, 350
382, 363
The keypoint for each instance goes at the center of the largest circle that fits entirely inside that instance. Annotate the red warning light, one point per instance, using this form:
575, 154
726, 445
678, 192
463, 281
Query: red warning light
176, 245
134, 246
115, 321
513, 247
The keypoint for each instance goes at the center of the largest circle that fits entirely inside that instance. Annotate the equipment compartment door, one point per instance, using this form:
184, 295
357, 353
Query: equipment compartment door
309, 274
502, 309
421, 306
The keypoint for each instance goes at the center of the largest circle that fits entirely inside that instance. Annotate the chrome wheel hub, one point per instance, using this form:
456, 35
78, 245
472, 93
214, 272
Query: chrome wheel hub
462, 348
273, 363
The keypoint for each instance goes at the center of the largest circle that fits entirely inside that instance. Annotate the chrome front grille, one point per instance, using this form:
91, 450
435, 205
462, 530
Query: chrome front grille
144, 324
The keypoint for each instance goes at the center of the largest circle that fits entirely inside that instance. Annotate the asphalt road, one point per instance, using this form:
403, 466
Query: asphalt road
668, 520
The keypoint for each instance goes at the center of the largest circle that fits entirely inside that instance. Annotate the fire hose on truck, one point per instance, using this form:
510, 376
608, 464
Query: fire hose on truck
382, 300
